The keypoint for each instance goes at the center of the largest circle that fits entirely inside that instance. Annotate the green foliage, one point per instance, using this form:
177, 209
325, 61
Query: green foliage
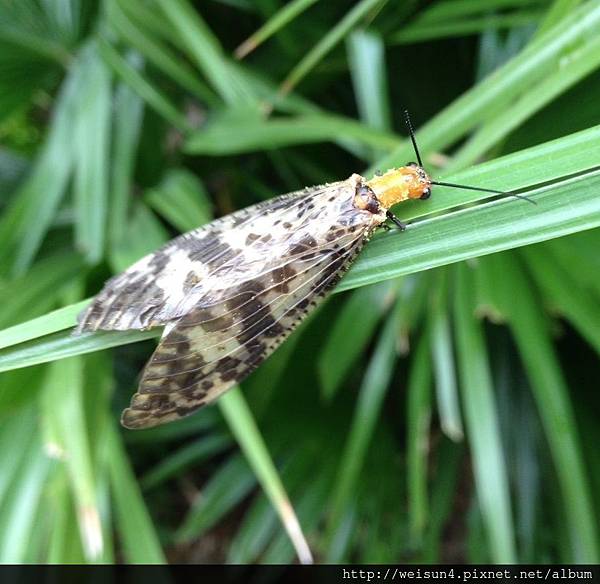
438, 411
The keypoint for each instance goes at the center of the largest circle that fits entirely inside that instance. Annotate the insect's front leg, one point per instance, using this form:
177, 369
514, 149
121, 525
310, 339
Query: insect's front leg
401, 226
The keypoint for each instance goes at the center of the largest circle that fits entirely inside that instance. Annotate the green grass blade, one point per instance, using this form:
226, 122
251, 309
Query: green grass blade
225, 489
148, 92
138, 536
366, 53
530, 332
422, 32
351, 333
54, 321
373, 389
182, 200
484, 100
563, 208
28, 219
241, 132
64, 416
574, 302
282, 17
91, 137
64, 344
452, 10
129, 112
366, 56
20, 506
158, 53
204, 49
328, 42
443, 492
64, 545
39, 289
579, 65
191, 454
419, 416
481, 418
559, 10
442, 353
242, 424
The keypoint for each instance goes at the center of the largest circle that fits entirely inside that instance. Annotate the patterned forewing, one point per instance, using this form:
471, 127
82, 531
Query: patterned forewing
230, 326
153, 291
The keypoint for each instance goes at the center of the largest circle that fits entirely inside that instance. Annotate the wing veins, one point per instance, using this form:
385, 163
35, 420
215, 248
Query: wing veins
222, 300
232, 352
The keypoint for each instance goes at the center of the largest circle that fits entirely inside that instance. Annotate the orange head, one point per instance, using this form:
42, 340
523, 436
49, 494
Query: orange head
400, 184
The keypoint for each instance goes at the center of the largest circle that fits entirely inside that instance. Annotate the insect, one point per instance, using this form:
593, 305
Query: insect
230, 292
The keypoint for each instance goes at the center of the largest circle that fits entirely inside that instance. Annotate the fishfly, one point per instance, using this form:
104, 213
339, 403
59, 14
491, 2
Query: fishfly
230, 292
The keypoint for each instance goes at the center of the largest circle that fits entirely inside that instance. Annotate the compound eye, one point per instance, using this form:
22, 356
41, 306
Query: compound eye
412, 164
425, 194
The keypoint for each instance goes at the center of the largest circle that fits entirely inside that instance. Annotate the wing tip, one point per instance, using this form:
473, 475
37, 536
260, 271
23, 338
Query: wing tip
133, 419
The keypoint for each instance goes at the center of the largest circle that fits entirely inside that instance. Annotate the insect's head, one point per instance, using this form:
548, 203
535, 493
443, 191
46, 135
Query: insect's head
424, 182
401, 184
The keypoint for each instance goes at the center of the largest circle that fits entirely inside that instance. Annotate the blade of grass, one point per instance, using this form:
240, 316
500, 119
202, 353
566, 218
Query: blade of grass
574, 302
15, 429
148, 92
226, 488
52, 322
204, 49
418, 394
578, 65
442, 352
530, 332
91, 137
559, 10
450, 10
19, 507
283, 16
481, 418
366, 53
421, 32
242, 424
181, 199
178, 461
239, 133
260, 524
443, 492
63, 344
367, 68
328, 42
138, 536
158, 53
373, 389
500, 88
28, 219
39, 289
64, 544
351, 333
563, 208
64, 414
129, 111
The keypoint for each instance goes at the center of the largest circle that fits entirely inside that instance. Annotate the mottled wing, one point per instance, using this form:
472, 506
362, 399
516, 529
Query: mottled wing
250, 307
152, 291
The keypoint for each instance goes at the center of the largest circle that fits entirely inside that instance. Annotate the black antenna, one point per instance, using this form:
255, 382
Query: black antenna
482, 190
411, 133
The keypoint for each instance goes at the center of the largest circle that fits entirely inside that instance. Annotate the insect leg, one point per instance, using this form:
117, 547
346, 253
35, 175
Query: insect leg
401, 226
